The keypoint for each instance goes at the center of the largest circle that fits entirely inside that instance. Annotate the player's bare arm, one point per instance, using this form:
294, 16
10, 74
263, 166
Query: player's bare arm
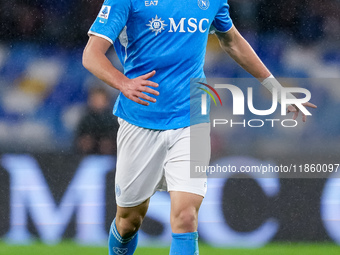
95, 60
240, 50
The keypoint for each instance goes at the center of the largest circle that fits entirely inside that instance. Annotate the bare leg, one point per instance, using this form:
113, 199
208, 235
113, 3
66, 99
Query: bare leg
184, 211
129, 219
184, 218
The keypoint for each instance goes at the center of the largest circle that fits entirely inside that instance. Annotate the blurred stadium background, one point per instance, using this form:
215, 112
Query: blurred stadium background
43, 96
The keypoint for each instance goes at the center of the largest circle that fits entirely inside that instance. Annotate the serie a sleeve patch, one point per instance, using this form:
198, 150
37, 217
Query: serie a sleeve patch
104, 14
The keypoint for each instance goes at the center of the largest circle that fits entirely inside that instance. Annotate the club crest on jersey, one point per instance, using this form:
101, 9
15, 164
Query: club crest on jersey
104, 14
156, 25
203, 4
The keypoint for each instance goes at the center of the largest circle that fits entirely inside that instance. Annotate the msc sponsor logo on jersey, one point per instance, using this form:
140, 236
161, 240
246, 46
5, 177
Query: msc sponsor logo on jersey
203, 4
156, 25
190, 25
104, 14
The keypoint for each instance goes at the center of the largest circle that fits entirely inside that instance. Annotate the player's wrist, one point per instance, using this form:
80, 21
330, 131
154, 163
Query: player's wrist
272, 83
123, 84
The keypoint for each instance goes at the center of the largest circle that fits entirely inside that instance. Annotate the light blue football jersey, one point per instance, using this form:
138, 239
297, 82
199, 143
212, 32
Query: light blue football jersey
168, 36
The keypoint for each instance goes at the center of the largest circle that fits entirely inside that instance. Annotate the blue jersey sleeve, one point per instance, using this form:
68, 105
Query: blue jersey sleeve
111, 19
222, 21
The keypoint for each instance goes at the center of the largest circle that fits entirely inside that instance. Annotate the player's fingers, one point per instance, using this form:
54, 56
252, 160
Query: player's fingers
140, 101
304, 117
146, 97
148, 75
136, 99
150, 83
150, 91
308, 104
296, 114
291, 108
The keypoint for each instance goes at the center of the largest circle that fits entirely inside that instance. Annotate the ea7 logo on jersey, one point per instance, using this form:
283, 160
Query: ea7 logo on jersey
104, 14
184, 25
151, 3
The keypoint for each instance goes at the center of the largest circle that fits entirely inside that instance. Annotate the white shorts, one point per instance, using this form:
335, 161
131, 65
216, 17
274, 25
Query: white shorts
150, 160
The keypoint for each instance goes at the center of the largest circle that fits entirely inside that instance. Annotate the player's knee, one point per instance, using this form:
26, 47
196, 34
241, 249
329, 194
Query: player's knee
185, 221
128, 220
127, 226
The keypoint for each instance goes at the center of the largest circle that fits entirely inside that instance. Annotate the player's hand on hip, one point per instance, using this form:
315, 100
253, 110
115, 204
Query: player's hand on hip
135, 89
293, 108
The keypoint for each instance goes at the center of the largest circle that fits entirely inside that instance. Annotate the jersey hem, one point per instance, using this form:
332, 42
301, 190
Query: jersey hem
155, 127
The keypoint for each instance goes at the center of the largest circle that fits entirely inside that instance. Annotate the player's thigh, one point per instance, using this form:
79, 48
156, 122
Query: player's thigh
184, 201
